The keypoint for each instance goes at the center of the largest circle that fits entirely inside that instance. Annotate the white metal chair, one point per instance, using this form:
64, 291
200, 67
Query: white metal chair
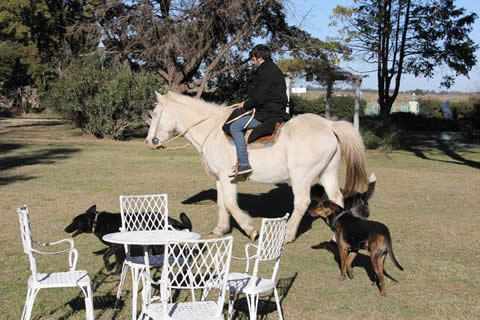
198, 266
139, 213
269, 248
37, 281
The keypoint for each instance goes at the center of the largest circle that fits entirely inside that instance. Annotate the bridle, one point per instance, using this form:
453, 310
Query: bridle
163, 146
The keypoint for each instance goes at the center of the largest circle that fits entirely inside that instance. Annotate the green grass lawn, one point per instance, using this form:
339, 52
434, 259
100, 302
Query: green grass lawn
427, 194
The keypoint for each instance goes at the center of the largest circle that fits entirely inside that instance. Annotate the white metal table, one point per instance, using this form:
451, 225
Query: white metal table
148, 238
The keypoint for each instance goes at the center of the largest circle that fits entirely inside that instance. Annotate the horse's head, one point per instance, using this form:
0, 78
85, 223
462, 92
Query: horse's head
162, 125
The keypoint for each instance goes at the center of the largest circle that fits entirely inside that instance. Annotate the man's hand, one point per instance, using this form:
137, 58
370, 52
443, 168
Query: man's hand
238, 105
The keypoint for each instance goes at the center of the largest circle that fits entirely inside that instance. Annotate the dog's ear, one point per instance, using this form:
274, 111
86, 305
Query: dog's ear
371, 187
92, 211
334, 206
186, 221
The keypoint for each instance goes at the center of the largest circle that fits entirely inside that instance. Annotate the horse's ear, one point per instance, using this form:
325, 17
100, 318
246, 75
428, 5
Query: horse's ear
147, 120
159, 96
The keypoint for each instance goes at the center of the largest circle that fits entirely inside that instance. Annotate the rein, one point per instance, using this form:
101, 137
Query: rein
181, 135
185, 132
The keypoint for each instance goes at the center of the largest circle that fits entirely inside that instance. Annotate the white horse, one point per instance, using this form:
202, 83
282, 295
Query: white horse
308, 146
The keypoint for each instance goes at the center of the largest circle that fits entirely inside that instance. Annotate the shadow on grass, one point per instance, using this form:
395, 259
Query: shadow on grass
272, 204
48, 156
266, 304
7, 147
46, 123
419, 144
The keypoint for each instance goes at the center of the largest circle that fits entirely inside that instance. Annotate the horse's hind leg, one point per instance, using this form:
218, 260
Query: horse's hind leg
223, 223
229, 195
329, 180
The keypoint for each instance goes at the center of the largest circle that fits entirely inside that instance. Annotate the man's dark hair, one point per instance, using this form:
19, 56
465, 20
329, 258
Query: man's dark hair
261, 51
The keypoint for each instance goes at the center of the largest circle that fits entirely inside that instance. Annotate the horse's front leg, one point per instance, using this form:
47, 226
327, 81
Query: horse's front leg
230, 203
301, 194
223, 223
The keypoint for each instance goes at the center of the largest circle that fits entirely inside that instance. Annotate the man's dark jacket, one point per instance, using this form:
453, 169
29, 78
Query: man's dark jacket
268, 95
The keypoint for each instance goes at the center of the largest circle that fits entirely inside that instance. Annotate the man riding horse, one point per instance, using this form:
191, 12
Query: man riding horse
264, 107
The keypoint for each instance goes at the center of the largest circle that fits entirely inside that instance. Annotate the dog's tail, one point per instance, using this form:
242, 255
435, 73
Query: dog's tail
186, 221
390, 251
372, 180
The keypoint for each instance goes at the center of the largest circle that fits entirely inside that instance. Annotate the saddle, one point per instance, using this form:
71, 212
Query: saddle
261, 136
260, 141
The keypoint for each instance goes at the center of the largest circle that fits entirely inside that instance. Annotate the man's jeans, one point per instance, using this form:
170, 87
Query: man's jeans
236, 130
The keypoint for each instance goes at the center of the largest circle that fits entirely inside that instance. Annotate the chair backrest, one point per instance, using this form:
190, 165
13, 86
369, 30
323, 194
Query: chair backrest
271, 241
144, 212
198, 264
26, 234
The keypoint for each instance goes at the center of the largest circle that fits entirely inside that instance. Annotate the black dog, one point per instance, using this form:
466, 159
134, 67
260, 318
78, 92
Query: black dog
102, 223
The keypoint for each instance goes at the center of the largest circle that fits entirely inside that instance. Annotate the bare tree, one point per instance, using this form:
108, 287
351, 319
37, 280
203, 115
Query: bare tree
188, 42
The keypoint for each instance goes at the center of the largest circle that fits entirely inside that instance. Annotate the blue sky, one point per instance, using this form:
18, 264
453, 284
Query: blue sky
313, 17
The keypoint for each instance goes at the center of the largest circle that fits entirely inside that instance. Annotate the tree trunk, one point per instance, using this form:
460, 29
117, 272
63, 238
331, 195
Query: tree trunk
385, 109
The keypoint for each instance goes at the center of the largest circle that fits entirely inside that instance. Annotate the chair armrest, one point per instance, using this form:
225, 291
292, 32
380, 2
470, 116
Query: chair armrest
244, 259
247, 256
48, 244
72, 252
72, 256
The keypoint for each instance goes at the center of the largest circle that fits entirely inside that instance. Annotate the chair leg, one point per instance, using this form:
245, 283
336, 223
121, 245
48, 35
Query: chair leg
277, 300
120, 285
88, 302
252, 300
27, 309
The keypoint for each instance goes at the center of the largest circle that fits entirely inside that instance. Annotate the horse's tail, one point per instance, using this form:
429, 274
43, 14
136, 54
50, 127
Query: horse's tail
353, 152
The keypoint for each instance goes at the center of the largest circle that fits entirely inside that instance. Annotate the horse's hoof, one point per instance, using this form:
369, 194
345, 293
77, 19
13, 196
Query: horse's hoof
253, 235
212, 235
289, 239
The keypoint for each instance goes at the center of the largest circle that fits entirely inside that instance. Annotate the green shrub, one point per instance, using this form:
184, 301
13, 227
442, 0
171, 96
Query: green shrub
380, 134
467, 116
103, 100
342, 107
371, 140
430, 108
302, 105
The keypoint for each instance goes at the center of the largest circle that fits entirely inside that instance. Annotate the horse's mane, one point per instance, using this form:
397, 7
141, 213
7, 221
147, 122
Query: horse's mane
193, 102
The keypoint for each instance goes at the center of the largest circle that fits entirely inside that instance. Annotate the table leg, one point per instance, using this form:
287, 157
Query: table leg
146, 284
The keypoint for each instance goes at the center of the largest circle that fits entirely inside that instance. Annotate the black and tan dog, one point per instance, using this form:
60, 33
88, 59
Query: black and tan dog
353, 234
355, 202
102, 223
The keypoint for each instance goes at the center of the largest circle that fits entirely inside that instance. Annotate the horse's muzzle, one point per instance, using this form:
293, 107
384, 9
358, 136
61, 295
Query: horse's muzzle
154, 143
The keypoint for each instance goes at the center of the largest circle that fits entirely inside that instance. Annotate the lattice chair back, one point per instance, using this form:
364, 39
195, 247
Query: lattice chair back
144, 212
26, 234
200, 265
271, 241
